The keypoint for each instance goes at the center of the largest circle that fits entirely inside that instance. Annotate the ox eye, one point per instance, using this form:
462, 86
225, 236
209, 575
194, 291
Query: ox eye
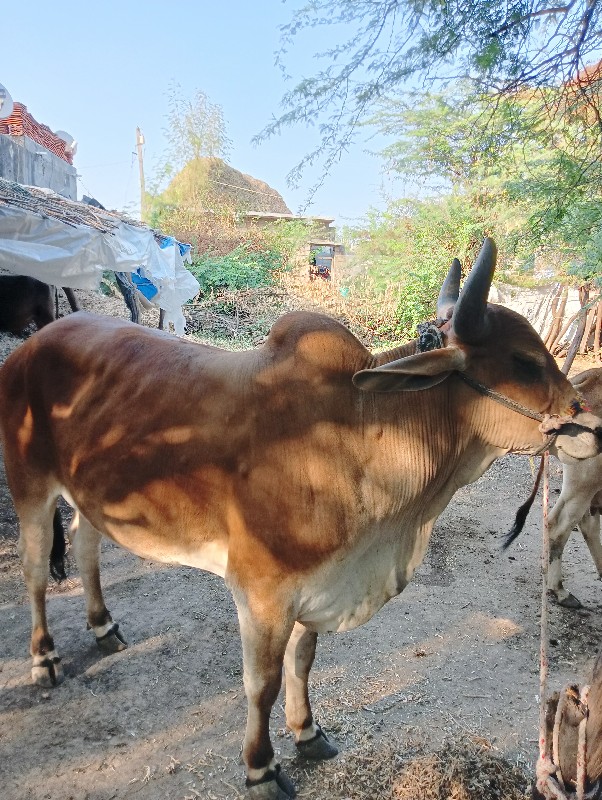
526, 369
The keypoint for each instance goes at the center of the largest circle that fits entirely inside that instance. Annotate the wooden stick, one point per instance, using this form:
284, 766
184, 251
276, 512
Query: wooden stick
588, 329
564, 329
570, 356
558, 312
543, 628
553, 310
597, 332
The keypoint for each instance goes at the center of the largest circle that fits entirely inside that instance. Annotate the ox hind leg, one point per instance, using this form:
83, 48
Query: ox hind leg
86, 549
298, 659
35, 546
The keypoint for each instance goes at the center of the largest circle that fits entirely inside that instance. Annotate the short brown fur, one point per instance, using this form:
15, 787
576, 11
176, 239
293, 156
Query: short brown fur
314, 498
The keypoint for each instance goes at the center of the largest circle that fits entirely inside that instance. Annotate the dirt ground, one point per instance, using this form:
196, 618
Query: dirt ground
454, 658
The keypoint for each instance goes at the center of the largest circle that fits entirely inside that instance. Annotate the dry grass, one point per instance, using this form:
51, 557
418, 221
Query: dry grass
243, 318
465, 770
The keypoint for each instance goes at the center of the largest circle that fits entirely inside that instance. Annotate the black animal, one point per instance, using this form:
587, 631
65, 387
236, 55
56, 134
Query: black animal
24, 300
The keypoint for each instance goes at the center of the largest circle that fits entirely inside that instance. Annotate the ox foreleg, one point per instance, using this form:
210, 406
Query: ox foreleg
265, 628
86, 548
568, 512
298, 659
35, 544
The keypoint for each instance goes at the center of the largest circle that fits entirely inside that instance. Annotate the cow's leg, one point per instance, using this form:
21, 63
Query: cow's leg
35, 544
564, 516
69, 294
265, 628
43, 310
86, 548
298, 659
590, 528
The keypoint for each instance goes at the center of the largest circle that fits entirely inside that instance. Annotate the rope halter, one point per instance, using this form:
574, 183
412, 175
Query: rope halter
431, 338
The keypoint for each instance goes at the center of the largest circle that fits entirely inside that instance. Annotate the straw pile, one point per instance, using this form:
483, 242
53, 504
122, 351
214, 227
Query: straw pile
47, 203
458, 771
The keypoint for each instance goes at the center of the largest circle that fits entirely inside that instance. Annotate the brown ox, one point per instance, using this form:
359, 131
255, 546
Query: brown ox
580, 500
307, 472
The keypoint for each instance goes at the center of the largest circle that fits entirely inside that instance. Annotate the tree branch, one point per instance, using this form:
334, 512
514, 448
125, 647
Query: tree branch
532, 15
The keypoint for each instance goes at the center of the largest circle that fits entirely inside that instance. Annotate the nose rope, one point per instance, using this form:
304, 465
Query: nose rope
513, 405
501, 398
430, 337
577, 405
550, 783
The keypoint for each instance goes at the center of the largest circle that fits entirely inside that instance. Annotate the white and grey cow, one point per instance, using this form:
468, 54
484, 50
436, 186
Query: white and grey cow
580, 500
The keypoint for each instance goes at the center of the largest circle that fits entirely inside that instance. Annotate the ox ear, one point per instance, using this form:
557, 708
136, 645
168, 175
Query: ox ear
420, 371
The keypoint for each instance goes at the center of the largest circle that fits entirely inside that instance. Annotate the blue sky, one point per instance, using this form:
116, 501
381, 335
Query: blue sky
98, 70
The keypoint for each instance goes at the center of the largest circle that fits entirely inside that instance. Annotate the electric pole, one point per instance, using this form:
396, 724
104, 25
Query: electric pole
139, 145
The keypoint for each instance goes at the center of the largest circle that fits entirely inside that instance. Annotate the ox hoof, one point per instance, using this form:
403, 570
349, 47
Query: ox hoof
112, 641
47, 672
319, 748
568, 600
276, 785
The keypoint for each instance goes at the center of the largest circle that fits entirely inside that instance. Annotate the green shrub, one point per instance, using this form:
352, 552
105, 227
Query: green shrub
243, 268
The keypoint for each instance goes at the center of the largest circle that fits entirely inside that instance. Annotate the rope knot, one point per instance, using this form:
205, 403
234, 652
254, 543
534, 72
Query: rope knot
553, 422
430, 336
546, 783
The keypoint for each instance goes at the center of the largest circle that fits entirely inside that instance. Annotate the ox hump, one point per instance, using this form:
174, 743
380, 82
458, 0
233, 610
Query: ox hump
316, 339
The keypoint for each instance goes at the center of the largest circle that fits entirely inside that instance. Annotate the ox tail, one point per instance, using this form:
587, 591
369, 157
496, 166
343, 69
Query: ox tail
57, 554
523, 511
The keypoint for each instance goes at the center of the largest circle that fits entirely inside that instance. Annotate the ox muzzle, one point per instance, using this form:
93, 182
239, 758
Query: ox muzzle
575, 439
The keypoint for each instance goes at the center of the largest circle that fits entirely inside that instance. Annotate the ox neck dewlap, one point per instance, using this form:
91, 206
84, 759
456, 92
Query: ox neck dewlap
431, 338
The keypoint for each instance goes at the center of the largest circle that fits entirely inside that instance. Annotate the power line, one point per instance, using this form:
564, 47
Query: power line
110, 164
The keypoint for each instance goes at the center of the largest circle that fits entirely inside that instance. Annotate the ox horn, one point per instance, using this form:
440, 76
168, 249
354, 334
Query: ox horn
448, 296
469, 322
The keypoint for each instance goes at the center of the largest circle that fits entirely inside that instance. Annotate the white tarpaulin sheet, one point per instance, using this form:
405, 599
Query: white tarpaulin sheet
76, 255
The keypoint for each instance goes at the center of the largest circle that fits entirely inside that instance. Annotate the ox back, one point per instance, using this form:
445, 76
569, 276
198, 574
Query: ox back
307, 472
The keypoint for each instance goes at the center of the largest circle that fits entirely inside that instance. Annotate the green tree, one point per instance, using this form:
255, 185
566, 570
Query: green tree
183, 188
195, 128
538, 180
410, 246
389, 46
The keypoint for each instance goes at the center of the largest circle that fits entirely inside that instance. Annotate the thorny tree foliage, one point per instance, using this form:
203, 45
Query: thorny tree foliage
535, 157
503, 46
195, 128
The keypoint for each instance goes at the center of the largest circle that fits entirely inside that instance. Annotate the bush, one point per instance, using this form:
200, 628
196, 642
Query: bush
407, 251
243, 268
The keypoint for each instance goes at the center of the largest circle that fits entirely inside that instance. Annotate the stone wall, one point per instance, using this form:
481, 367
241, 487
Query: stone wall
24, 161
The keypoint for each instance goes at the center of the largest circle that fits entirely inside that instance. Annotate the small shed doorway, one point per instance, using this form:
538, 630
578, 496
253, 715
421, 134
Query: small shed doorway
321, 261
